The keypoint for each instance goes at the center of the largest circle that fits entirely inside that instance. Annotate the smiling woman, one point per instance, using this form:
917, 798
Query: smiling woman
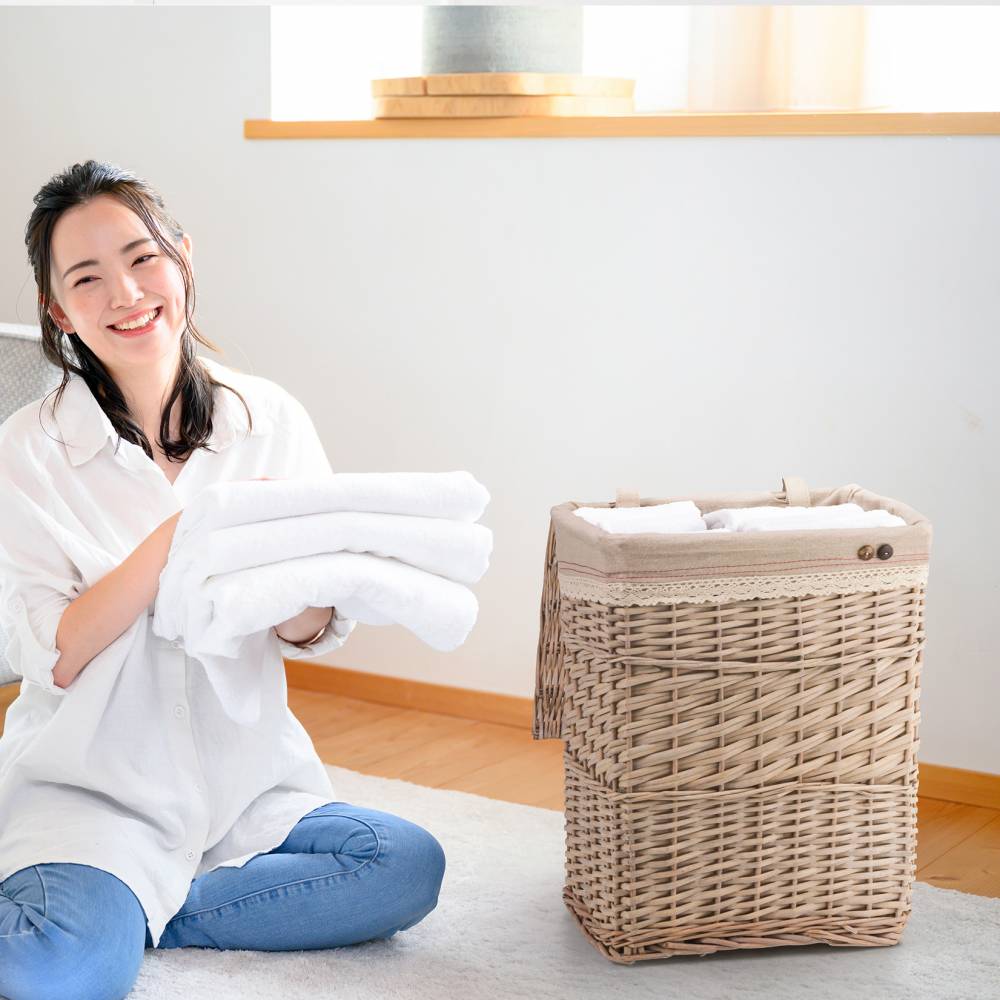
177, 801
105, 252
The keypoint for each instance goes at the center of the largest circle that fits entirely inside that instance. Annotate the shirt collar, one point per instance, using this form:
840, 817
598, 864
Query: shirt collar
84, 426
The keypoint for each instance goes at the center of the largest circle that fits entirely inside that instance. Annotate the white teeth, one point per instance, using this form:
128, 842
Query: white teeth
135, 324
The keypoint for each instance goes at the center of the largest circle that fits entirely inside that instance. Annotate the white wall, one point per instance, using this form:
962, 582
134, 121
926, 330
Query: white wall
561, 317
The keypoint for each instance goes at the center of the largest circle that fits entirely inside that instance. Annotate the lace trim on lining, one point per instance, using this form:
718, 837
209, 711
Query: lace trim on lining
719, 590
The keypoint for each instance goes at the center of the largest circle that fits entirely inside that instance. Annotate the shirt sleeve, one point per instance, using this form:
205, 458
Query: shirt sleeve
310, 460
37, 583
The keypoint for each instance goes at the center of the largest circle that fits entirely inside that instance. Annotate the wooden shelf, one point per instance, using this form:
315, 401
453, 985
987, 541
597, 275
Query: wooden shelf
673, 124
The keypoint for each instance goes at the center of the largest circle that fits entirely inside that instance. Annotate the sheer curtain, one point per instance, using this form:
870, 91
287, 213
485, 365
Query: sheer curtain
777, 58
899, 57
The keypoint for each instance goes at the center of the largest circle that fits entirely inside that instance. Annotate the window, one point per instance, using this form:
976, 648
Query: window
714, 58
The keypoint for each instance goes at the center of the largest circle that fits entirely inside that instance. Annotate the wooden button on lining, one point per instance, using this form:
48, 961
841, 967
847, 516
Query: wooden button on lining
884, 551
866, 551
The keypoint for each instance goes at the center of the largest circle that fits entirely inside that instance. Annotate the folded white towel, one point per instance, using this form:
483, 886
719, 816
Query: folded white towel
455, 550
681, 515
248, 555
846, 515
457, 496
372, 589
684, 515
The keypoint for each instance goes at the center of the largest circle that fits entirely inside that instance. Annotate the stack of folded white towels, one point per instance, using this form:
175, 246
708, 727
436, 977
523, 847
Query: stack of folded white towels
684, 515
381, 548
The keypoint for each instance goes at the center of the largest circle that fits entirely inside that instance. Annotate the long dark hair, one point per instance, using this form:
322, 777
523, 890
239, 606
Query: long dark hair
193, 383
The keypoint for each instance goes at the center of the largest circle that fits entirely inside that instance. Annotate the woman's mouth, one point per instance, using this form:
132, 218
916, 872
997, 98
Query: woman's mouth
139, 331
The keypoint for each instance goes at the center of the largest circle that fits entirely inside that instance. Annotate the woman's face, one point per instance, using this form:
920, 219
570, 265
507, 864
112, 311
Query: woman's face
115, 284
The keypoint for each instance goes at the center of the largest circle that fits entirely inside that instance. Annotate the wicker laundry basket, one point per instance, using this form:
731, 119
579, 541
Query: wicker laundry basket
740, 715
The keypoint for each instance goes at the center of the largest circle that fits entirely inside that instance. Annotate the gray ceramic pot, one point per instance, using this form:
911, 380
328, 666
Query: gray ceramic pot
501, 39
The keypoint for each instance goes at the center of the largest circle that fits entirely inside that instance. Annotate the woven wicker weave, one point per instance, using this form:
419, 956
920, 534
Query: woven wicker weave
740, 773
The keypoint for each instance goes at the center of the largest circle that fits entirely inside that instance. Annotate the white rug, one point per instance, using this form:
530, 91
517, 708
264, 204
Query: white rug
501, 930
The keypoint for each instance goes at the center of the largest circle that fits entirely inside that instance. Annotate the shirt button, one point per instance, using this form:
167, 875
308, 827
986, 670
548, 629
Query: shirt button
189, 855
176, 644
179, 711
866, 552
884, 551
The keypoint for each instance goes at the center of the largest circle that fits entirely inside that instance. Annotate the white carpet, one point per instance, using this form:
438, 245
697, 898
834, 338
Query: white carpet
501, 930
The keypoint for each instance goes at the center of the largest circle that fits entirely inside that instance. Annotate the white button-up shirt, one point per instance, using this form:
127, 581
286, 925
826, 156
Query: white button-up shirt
136, 767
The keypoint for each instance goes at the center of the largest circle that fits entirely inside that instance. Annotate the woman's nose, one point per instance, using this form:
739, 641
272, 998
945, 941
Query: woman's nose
125, 291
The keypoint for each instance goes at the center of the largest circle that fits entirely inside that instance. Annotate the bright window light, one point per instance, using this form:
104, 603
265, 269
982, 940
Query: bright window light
934, 58
647, 44
323, 59
919, 58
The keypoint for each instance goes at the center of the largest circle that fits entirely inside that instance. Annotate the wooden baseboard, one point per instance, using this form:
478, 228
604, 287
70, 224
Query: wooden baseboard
483, 706
951, 784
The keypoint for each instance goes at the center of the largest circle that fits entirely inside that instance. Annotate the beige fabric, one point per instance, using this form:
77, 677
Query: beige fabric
722, 565
773, 57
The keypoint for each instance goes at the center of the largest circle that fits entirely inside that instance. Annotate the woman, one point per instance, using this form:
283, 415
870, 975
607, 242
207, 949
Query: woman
134, 811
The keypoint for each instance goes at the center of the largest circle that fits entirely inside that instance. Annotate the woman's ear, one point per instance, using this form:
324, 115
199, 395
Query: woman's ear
186, 243
59, 317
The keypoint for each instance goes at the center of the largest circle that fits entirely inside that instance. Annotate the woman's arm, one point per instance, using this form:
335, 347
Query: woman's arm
103, 612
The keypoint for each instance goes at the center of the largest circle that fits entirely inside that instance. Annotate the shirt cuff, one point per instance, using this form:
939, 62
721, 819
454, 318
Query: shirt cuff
333, 638
26, 653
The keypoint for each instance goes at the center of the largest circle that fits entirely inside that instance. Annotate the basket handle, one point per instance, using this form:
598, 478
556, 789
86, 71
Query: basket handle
793, 488
796, 493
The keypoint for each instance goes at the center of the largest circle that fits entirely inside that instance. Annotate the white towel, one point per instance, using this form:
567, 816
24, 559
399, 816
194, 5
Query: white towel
248, 555
684, 515
845, 515
372, 589
453, 549
446, 550
681, 515
457, 496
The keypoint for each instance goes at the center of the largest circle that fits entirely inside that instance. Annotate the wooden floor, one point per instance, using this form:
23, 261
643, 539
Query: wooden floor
958, 846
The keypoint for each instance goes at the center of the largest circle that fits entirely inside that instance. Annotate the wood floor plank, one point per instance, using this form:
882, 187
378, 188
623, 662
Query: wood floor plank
365, 746
320, 713
527, 777
8, 692
942, 826
973, 866
450, 757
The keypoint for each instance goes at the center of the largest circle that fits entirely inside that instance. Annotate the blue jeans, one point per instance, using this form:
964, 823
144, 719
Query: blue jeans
343, 875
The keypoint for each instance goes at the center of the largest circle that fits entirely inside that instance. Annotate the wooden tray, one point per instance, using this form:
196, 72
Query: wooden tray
504, 83
502, 106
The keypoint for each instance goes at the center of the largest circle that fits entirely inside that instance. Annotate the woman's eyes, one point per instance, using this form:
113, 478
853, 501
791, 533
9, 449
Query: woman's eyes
136, 261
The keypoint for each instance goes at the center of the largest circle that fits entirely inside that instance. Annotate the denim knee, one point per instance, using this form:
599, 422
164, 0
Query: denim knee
57, 956
65, 967
423, 859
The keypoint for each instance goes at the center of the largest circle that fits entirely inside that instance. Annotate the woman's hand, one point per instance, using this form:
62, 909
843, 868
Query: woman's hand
304, 625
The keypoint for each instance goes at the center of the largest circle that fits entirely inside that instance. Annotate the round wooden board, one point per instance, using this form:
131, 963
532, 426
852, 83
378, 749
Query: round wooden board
501, 106
467, 84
